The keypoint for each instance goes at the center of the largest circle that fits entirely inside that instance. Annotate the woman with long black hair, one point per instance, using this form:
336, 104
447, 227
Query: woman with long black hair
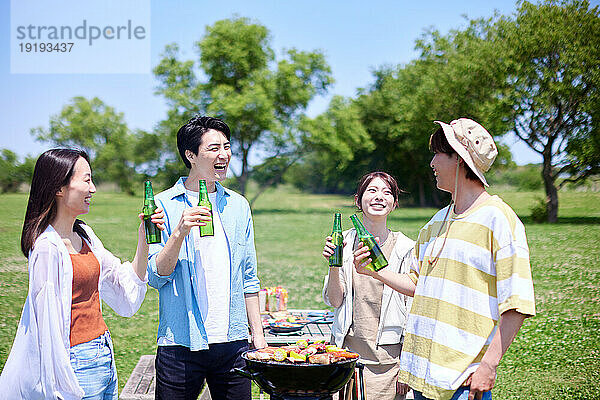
63, 349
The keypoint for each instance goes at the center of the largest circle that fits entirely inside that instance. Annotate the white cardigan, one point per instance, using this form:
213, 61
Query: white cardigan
39, 366
394, 306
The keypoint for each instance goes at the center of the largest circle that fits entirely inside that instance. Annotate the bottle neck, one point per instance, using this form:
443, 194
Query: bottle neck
148, 195
361, 231
377, 227
337, 224
192, 183
202, 190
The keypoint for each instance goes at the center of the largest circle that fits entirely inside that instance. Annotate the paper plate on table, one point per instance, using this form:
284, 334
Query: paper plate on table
296, 334
322, 320
314, 314
320, 317
286, 327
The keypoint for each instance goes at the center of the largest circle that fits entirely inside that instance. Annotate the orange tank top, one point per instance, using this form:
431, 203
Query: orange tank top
86, 318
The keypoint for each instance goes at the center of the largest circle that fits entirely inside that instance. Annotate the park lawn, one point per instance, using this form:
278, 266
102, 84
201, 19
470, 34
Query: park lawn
555, 355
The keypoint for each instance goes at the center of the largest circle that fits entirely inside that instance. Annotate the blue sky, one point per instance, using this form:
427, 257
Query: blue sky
356, 37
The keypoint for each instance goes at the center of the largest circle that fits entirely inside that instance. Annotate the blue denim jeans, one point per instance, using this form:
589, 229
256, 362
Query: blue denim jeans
94, 366
461, 394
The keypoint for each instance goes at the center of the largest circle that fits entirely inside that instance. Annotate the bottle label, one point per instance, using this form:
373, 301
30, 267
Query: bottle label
208, 229
336, 259
378, 260
152, 231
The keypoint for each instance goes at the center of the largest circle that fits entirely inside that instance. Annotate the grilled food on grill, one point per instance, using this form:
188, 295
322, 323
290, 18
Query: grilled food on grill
322, 358
303, 352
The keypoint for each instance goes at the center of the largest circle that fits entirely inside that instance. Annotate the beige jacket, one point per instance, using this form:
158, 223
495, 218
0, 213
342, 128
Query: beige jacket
394, 306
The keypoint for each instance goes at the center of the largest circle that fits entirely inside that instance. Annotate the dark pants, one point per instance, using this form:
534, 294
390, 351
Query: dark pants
180, 373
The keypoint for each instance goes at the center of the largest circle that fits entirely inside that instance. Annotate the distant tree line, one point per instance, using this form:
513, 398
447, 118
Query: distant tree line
14, 173
535, 73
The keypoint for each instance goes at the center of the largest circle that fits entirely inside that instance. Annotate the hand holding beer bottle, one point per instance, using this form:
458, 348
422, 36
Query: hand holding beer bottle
335, 260
334, 244
378, 260
203, 200
149, 208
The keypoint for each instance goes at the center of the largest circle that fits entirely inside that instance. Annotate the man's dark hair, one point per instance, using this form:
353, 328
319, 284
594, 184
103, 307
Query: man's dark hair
190, 135
439, 144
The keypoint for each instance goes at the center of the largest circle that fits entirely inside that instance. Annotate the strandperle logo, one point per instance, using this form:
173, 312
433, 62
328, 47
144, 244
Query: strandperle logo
91, 33
80, 37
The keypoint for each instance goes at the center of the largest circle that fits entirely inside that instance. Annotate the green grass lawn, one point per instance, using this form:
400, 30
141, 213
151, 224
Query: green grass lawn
556, 355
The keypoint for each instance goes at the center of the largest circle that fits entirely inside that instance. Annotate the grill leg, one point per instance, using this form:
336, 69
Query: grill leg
361, 382
345, 393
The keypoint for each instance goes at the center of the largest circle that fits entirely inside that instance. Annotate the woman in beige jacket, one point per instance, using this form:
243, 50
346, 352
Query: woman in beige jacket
369, 316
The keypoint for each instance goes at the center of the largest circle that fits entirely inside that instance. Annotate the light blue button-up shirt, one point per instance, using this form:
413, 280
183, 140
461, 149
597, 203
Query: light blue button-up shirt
180, 317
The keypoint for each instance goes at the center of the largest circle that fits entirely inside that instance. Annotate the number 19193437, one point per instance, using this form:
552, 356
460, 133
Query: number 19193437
43, 47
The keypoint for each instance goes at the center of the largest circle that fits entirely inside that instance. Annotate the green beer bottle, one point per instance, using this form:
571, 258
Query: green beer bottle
336, 259
378, 260
152, 231
208, 229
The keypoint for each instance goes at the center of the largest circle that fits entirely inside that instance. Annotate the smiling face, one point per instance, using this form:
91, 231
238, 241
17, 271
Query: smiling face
377, 199
74, 198
212, 160
444, 170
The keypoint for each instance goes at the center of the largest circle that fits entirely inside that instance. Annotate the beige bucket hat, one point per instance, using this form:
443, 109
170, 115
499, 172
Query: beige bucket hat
472, 143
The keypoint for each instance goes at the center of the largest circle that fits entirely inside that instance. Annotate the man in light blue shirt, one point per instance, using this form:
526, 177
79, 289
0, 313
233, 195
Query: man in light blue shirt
208, 286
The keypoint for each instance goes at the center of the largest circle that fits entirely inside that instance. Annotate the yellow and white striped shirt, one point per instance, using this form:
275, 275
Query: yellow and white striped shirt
482, 271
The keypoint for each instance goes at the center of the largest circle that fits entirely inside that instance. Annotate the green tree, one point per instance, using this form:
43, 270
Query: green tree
335, 143
9, 179
452, 78
398, 124
101, 131
262, 99
12, 172
552, 59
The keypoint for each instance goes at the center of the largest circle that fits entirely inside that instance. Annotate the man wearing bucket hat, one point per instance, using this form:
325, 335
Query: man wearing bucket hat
471, 281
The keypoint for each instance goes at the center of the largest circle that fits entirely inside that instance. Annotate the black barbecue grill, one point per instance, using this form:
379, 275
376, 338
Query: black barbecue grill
301, 381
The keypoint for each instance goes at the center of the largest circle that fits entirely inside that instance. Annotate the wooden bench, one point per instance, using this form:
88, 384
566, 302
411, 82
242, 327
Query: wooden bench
142, 382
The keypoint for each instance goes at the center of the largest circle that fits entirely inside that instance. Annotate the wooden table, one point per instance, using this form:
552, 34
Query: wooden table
142, 382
